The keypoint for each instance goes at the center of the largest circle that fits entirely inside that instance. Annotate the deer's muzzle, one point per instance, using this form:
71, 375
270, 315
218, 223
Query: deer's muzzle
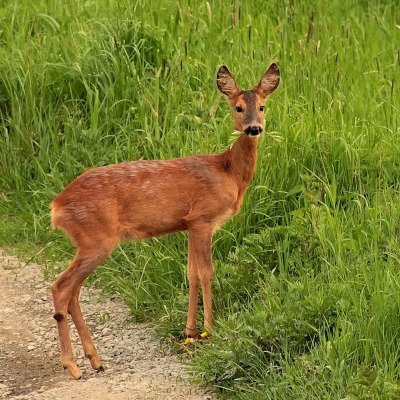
253, 130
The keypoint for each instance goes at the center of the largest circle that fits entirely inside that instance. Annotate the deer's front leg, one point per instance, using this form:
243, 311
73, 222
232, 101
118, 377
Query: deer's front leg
194, 284
200, 273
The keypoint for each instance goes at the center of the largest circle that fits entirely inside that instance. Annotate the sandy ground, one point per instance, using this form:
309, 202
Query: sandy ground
137, 365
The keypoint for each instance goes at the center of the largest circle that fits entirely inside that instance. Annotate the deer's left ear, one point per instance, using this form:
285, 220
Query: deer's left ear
268, 82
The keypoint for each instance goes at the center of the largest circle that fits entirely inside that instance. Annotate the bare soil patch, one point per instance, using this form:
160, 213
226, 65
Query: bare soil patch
137, 365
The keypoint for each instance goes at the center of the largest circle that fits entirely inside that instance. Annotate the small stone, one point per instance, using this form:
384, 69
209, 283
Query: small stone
106, 331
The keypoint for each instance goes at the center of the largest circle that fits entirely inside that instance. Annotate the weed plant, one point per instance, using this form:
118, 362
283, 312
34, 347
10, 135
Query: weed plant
307, 277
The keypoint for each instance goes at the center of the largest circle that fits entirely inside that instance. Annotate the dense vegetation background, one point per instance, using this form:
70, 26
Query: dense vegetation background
307, 277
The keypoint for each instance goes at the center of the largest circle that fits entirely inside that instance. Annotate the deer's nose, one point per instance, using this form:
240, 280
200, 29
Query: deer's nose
253, 130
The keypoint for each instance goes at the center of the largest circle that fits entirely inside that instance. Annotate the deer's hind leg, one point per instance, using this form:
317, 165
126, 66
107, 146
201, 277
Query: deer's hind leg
65, 291
89, 348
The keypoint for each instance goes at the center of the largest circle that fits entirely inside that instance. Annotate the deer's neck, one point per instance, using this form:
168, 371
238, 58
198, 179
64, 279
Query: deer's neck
240, 160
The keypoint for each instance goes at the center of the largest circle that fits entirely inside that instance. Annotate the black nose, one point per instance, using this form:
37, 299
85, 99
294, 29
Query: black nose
254, 130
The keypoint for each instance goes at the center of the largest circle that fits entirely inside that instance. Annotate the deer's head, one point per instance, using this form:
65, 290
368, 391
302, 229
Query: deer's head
248, 105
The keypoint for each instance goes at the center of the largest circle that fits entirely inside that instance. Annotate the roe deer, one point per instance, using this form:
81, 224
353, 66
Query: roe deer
143, 199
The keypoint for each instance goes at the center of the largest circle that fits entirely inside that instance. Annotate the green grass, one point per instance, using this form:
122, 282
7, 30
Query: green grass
307, 277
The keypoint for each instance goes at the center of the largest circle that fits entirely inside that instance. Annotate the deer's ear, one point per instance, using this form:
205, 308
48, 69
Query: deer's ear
268, 82
226, 82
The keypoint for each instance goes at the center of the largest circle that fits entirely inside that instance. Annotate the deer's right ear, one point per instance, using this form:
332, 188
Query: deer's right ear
226, 82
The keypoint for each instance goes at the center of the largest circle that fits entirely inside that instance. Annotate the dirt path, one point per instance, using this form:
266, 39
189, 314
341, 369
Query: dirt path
137, 366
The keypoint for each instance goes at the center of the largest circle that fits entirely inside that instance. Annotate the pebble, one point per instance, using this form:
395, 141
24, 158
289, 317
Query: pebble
106, 331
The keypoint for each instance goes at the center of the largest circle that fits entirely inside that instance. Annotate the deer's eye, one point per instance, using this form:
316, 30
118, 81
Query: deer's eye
262, 108
239, 109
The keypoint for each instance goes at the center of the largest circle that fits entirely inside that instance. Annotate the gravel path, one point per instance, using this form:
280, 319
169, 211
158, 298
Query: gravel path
137, 365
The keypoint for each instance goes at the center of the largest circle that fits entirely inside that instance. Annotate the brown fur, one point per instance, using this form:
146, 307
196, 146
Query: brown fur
143, 199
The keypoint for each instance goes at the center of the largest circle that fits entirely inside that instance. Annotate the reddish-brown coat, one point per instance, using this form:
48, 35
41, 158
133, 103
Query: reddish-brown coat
142, 199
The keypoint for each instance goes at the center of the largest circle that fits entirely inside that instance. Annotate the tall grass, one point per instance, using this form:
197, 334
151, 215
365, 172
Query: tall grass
307, 276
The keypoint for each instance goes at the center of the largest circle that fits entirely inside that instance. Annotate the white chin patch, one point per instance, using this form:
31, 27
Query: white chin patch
252, 135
